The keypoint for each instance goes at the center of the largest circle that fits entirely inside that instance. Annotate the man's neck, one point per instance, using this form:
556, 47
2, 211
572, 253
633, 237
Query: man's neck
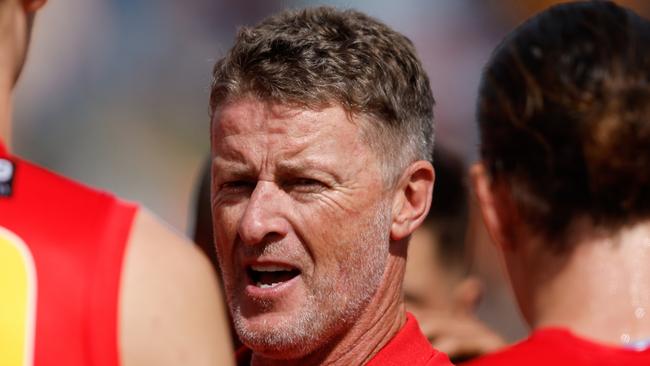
380, 321
600, 290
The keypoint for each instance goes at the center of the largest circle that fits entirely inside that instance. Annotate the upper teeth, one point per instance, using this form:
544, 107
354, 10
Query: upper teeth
269, 268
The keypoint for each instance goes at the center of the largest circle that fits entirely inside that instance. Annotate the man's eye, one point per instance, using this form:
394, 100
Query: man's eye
304, 185
238, 186
306, 182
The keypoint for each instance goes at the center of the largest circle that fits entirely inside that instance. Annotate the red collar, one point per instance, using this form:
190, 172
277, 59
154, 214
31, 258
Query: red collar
408, 347
3, 150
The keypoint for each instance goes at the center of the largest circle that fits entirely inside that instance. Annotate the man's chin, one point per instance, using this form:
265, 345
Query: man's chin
278, 335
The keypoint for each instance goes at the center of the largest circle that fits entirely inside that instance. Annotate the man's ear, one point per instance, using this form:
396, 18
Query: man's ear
412, 199
31, 6
496, 207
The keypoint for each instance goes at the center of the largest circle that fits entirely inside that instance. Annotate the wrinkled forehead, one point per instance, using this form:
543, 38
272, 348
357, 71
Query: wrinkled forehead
253, 132
250, 116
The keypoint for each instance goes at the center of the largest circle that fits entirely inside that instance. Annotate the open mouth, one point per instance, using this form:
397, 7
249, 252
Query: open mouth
268, 276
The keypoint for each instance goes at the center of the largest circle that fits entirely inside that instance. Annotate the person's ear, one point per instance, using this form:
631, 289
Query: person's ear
32, 6
412, 199
495, 205
467, 295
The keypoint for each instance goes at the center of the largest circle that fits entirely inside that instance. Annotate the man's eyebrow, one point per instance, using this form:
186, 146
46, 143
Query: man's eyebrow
230, 167
296, 166
230, 154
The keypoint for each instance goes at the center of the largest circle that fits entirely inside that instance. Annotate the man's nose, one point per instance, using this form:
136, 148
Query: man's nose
263, 219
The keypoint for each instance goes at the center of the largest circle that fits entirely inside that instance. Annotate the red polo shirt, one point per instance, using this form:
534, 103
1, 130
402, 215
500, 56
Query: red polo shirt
560, 347
408, 347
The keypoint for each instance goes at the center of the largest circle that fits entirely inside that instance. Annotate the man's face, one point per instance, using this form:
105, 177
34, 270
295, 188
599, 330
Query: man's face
301, 221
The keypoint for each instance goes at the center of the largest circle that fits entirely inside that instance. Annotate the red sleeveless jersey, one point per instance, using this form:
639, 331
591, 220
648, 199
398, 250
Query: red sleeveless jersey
61, 252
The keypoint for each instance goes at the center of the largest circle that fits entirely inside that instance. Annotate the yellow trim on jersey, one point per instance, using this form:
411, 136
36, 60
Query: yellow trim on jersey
17, 301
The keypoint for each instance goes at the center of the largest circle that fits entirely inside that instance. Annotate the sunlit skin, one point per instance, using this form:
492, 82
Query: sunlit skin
607, 270
302, 189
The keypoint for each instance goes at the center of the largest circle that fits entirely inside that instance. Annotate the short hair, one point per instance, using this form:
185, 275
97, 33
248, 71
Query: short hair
449, 213
564, 117
317, 57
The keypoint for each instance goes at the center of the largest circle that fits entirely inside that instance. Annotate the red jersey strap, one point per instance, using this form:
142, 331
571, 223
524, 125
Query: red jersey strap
105, 290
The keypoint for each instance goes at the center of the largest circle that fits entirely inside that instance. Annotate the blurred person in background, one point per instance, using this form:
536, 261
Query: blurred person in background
322, 136
438, 287
86, 278
564, 182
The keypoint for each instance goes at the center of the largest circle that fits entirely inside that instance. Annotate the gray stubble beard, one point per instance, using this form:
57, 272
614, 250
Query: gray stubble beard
311, 329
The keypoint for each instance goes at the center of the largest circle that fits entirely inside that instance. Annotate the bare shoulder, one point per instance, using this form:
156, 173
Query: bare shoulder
171, 311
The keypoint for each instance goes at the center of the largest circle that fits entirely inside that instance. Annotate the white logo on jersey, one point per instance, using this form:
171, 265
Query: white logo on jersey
6, 170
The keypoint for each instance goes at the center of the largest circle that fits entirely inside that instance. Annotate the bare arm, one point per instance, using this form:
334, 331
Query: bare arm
171, 312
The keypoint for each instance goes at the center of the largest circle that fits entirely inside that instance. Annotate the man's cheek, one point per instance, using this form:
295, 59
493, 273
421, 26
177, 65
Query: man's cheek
224, 246
327, 221
226, 222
